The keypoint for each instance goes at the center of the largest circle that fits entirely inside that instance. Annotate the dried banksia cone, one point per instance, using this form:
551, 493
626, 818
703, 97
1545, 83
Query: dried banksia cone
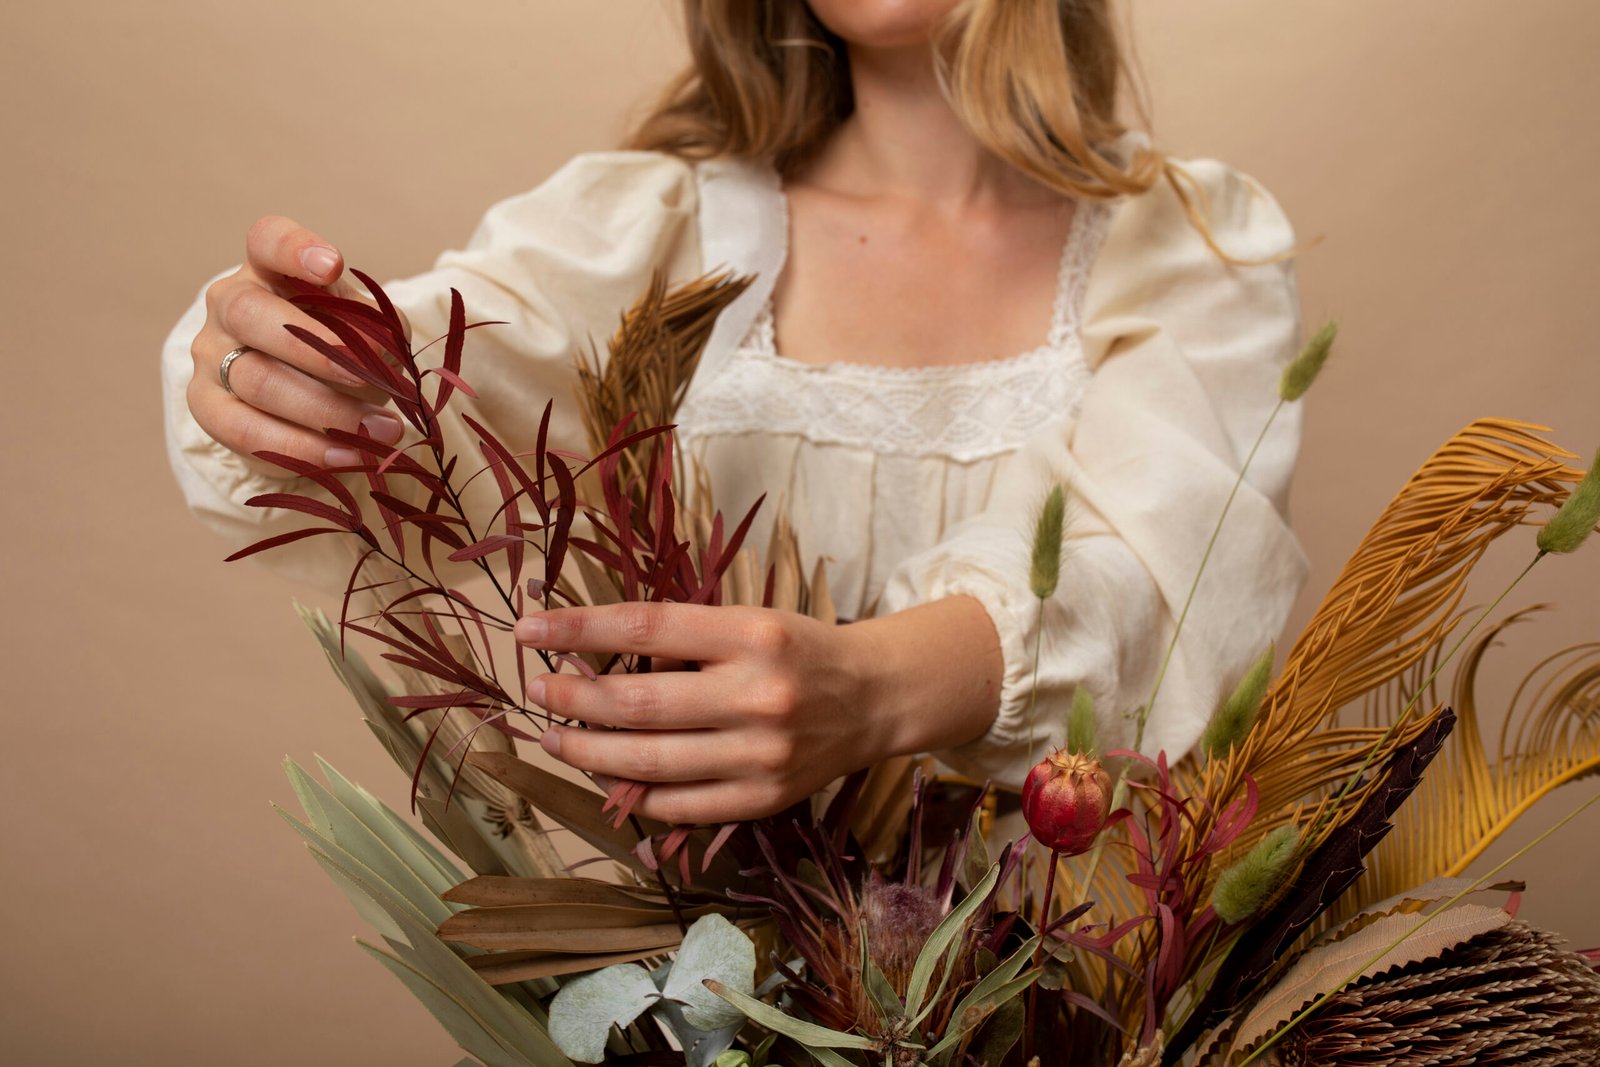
1298, 375
1251, 880
1576, 518
1508, 996
1235, 715
1045, 570
898, 919
1066, 800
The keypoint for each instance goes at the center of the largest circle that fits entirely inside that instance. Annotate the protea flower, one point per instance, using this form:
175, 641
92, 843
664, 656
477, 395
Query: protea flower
1066, 800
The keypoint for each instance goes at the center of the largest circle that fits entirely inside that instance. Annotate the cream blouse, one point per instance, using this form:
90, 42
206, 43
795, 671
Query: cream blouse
1152, 380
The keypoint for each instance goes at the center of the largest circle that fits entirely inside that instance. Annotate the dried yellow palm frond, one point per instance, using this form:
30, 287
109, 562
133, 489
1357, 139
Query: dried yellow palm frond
1550, 736
1395, 602
1389, 611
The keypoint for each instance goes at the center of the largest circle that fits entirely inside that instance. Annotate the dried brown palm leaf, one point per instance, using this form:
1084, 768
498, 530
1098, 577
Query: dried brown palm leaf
1395, 602
653, 354
1512, 995
1550, 736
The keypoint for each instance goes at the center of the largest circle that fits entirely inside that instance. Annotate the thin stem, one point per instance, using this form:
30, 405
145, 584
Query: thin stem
1149, 705
1143, 716
661, 879
1033, 691
1356, 975
1038, 950
1203, 983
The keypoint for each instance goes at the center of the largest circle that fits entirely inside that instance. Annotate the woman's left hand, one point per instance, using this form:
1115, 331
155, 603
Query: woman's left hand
780, 706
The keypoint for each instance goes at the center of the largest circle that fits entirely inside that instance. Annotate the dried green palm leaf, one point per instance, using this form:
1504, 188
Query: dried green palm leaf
484, 823
392, 877
1550, 736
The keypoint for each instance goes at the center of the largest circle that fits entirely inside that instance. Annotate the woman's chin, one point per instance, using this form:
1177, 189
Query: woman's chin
882, 24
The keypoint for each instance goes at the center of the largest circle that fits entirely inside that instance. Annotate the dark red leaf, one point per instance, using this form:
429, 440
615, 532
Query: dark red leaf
305, 505
492, 543
282, 539
315, 473
714, 579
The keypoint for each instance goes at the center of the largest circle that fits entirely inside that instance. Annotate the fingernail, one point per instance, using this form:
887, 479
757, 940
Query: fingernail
319, 261
532, 630
383, 427
341, 457
536, 691
551, 741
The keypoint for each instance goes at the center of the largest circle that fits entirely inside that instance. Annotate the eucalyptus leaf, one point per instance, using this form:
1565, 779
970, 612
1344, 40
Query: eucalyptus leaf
975, 860
587, 1007
701, 1048
810, 1035
1003, 1031
880, 991
713, 948
998, 977
945, 936
976, 1011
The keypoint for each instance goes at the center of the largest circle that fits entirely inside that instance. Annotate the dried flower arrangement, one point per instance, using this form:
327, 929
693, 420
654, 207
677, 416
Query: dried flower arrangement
1253, 901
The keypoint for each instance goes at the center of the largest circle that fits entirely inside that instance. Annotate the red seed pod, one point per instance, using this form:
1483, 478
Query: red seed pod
1066, 799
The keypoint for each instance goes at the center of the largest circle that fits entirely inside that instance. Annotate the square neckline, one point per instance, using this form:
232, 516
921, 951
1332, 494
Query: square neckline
1078, 251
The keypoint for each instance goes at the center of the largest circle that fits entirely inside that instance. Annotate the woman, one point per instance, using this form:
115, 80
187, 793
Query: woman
921, 190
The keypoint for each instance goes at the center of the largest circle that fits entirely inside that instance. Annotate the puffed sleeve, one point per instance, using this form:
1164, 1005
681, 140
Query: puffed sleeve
1185, 352
558, 264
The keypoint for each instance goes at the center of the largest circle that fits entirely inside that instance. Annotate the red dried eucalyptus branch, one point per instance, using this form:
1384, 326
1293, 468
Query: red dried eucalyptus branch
418, 499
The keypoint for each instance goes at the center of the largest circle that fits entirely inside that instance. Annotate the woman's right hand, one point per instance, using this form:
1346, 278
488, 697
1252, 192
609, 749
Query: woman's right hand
285, 393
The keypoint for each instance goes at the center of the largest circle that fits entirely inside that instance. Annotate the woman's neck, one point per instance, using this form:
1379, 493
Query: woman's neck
904, 139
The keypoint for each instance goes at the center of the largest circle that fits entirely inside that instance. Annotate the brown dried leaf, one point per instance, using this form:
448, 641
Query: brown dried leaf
576, 808
504, 968
467, 929
1329, 967
489, 891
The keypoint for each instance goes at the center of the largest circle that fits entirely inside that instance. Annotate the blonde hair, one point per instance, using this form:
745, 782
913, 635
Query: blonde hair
1035, 81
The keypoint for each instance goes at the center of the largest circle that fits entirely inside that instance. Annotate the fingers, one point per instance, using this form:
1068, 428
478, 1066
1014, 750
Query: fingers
241, 311
678, 631
279, 409
655, 701
642, 755
282, 246
689, 803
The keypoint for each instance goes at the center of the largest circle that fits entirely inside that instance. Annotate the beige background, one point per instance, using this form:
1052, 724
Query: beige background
154, 909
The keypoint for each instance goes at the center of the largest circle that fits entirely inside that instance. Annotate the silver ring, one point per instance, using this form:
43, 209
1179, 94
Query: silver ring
227, 364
